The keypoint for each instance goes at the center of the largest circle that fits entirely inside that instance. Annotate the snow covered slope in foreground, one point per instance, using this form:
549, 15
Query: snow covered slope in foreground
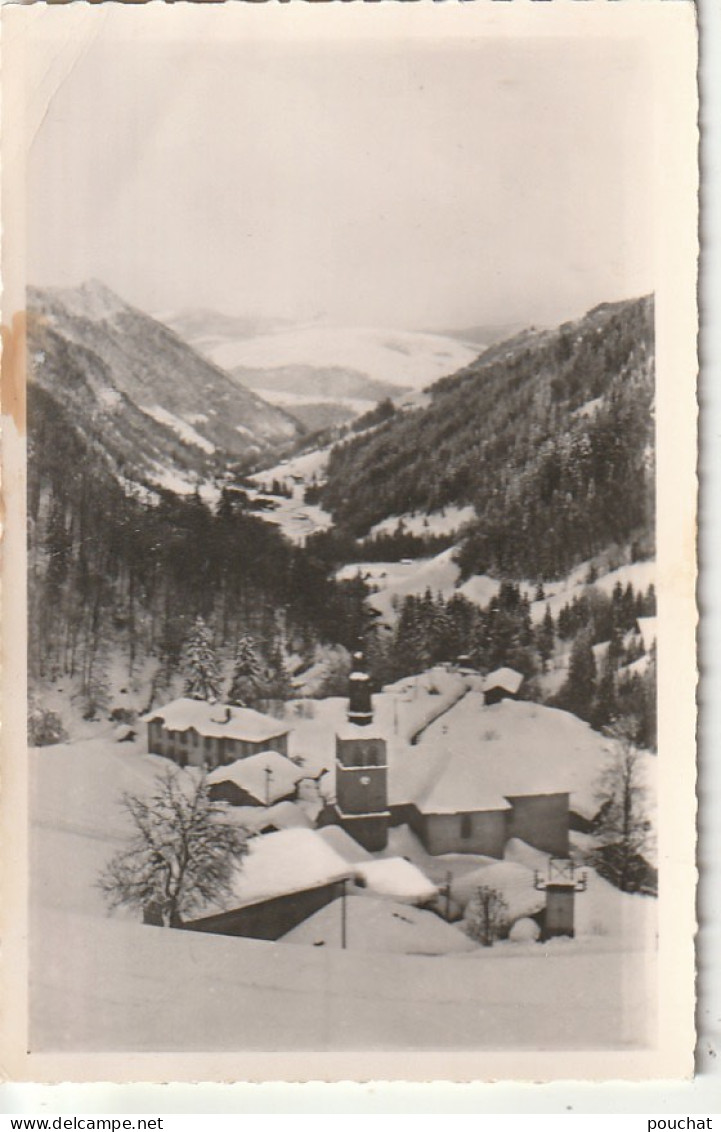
101, 983
115, 985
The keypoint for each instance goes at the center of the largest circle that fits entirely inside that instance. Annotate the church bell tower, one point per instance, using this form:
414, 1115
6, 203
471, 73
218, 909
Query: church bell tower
362, 767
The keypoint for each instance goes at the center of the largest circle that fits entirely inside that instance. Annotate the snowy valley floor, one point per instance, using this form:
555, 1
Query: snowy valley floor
111, 984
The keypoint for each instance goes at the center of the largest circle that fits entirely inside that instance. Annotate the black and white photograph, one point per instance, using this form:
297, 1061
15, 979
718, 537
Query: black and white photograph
356, 584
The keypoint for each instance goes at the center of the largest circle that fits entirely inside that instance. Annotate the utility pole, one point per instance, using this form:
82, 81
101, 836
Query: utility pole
343, 917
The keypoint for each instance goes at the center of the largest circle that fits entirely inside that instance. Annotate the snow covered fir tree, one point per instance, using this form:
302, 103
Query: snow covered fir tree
203, 679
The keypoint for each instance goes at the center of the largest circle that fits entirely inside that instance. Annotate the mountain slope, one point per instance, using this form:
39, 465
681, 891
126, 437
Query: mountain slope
549, 436
139, 390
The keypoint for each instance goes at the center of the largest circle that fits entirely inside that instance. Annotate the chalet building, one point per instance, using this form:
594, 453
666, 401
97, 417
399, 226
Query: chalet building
502, 684
258, 780
197, 733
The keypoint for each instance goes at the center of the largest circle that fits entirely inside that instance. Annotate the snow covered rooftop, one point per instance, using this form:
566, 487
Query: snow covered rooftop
476, 757
397, 878
485, 754
283, 815
381, 925
343, 844
506, 678
217, 721
513, 881
286, 815
281, 863
266, 776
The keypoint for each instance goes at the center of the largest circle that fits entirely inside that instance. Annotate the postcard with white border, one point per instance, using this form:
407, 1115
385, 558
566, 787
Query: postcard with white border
349, 474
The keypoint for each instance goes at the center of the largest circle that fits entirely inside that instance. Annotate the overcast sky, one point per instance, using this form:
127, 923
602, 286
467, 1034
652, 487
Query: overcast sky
411, 184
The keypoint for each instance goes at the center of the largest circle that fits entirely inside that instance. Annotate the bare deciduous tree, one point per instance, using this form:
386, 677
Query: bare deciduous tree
182, 853
486, 915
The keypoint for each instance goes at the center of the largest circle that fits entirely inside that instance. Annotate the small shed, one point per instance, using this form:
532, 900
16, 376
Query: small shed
259, 780
502, 684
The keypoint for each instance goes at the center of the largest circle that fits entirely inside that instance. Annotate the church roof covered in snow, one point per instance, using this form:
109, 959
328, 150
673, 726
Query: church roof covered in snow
506, 678
266, 776
217, 721
476, 757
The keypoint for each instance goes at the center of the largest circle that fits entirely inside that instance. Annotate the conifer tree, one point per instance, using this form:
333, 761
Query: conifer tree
247, 682
277, 683
203, 679
577, 694
545, 638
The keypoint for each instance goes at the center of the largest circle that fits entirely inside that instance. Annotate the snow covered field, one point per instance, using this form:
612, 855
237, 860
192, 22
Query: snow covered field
115, 985
445, 522
396, 580
296, 518
305, 467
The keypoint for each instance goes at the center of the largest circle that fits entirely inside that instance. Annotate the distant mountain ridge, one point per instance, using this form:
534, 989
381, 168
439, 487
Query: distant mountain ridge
549, 436
140, 393
203, 328
339, 372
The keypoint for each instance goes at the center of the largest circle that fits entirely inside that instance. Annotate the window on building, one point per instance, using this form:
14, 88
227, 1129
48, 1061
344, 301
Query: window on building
466, 826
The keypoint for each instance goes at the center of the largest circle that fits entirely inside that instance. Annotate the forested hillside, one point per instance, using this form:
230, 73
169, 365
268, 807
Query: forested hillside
549, 435
114, 578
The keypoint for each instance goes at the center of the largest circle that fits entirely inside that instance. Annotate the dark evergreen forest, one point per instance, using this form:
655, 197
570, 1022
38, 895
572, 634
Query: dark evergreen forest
550, 436
107, 570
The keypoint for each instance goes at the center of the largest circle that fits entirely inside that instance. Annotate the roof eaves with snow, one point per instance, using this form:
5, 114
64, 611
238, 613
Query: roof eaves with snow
266, 774
281, 864
217, 721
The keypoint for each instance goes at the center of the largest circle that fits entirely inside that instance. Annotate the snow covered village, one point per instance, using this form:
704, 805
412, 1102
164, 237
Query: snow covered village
341, 559
443, 819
